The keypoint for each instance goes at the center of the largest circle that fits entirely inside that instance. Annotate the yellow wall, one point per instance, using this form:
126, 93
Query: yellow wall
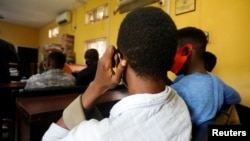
19, 35
228, 25
226, 21
85, 32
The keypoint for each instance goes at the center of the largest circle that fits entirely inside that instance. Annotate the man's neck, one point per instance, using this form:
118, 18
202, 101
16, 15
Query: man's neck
196, 67
139, 85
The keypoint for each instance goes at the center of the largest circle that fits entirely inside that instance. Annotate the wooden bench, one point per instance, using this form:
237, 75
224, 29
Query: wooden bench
53, 90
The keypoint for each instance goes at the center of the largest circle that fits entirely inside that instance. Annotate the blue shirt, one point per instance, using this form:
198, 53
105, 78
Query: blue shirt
204, 95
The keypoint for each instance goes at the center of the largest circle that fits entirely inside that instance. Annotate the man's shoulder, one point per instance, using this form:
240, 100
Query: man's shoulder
194, 77
216, 79
90, 68
68, 76
34, 81
35, 76
88, 71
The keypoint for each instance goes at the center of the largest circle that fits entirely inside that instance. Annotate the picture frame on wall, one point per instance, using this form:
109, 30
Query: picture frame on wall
184, 6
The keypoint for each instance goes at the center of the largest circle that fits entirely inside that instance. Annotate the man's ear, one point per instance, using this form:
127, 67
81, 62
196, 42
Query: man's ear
45, 65
187, 50
181, 57
48, 63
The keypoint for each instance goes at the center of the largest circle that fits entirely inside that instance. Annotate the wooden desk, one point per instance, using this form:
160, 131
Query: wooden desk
13, 85
35, 114
7, 103
7, 99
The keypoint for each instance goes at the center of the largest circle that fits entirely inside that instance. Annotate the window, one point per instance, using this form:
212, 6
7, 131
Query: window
99, 44
53, 32
90, 17
101, 12
96, 14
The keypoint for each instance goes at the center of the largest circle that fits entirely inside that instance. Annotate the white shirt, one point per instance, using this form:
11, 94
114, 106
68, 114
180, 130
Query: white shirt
140, 117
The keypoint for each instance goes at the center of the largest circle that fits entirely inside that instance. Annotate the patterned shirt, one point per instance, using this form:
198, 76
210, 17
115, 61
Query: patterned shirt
53, 77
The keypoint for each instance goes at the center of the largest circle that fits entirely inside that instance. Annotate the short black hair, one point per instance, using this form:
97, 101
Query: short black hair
91, 56
58, 59
210, 61
194, 36
147, 38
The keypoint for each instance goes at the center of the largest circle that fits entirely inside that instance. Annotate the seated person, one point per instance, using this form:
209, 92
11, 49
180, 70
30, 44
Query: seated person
54, 76
152, 111
85, 76
210, 61
7, 54
203, 91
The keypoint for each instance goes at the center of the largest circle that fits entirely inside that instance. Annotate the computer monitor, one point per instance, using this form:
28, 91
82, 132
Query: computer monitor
28, 59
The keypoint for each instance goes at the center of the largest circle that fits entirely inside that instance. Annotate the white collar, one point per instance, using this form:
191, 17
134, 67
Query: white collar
141, 100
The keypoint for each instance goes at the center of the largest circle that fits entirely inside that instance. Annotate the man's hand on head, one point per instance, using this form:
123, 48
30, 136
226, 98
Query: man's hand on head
106, 78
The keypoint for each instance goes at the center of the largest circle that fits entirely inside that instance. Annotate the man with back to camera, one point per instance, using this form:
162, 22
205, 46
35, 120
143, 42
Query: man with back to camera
85, 76
202, 90
147, 42
7, 54
54, 76
210, 61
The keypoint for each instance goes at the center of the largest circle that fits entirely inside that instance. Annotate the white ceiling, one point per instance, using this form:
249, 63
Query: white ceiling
34, 13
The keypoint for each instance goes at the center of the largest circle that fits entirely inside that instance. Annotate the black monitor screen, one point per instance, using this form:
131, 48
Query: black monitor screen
27, 55
28, 59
